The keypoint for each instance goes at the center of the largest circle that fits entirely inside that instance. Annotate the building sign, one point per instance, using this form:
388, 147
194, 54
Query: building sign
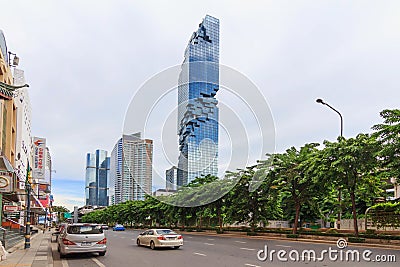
10, 208
6, 182
39, 158
43, 190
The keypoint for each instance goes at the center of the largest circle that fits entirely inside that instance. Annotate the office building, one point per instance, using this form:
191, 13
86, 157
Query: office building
131, 168
171, 178
97, 172
197, 105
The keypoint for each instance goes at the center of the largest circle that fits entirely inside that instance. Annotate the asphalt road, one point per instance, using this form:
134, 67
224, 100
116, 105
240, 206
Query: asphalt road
200, 251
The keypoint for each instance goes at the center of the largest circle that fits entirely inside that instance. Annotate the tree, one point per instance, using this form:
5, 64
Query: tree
296, 179
388, 134
60, 211
353, 164
253, 204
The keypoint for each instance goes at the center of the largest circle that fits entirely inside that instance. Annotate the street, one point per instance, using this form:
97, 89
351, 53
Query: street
199, 251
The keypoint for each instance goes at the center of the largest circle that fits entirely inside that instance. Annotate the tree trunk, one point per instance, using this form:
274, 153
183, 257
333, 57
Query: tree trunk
296, 218
353, 204
219, 218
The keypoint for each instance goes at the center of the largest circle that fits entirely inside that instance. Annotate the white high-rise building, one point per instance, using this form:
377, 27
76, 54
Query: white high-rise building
23, 144
131, 169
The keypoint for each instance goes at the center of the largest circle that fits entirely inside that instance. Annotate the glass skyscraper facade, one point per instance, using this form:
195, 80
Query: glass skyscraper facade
197, 105
97, 171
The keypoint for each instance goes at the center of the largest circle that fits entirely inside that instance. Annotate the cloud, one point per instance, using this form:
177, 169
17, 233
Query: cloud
84, 63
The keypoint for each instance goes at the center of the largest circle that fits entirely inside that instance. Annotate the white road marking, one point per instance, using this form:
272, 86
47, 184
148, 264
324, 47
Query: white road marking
251, 265
210, 239
200, 254
209, 244
307, 258
283, 246
189, 236
98, 262
64, 263
241, 242
248, 249
122, 236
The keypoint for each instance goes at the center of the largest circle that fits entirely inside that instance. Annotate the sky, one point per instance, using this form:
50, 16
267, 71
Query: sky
85, 60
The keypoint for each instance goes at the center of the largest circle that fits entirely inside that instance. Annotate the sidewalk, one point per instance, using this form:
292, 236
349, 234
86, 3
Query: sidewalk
38, 255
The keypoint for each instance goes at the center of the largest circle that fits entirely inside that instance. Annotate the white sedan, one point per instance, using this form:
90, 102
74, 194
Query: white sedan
159, 238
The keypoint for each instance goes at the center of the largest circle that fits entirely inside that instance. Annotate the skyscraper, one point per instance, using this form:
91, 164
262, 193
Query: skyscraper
97, 171
131, 168
197, 110
24, 137
171, 177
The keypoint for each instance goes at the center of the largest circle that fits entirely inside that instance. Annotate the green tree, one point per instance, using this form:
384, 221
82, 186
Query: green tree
353, 164
253, 204
388, 134
60, 212
295, 171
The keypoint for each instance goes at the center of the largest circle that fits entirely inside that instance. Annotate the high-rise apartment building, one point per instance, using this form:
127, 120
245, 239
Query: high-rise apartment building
23, 147
197, 110
97, 172
131, 169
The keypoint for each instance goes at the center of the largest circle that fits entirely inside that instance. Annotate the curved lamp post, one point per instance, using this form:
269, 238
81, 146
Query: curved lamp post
340, 115
320, 101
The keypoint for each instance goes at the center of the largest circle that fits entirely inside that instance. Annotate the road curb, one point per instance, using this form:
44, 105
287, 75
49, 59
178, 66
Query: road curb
301, 240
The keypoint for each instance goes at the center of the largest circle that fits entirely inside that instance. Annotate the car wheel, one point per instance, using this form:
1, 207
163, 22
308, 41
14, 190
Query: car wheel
102, 253
138, 242
176, 247
152, 245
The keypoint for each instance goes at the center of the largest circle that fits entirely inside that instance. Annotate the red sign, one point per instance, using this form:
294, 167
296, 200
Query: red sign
9, 208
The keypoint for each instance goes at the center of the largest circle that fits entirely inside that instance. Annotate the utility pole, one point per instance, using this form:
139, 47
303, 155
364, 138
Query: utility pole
28, 209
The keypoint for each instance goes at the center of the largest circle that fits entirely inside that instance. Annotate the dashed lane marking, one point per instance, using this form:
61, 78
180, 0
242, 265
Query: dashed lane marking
200, 254
251, 249
98, 262
283, 246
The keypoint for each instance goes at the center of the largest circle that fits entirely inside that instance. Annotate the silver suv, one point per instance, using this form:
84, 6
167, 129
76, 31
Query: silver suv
82, 238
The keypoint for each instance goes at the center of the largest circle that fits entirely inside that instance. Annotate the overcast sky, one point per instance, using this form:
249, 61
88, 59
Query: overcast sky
84, 61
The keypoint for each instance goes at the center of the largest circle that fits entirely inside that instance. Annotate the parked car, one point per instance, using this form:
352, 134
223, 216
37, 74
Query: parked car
104, 226
118, 227
160, 238
81, 238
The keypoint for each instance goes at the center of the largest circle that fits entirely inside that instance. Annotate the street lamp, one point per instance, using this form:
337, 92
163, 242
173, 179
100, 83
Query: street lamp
340, 115
320, 101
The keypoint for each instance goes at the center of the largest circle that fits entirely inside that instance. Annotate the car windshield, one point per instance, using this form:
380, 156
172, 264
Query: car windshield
165, 232
119, 225
84, 229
